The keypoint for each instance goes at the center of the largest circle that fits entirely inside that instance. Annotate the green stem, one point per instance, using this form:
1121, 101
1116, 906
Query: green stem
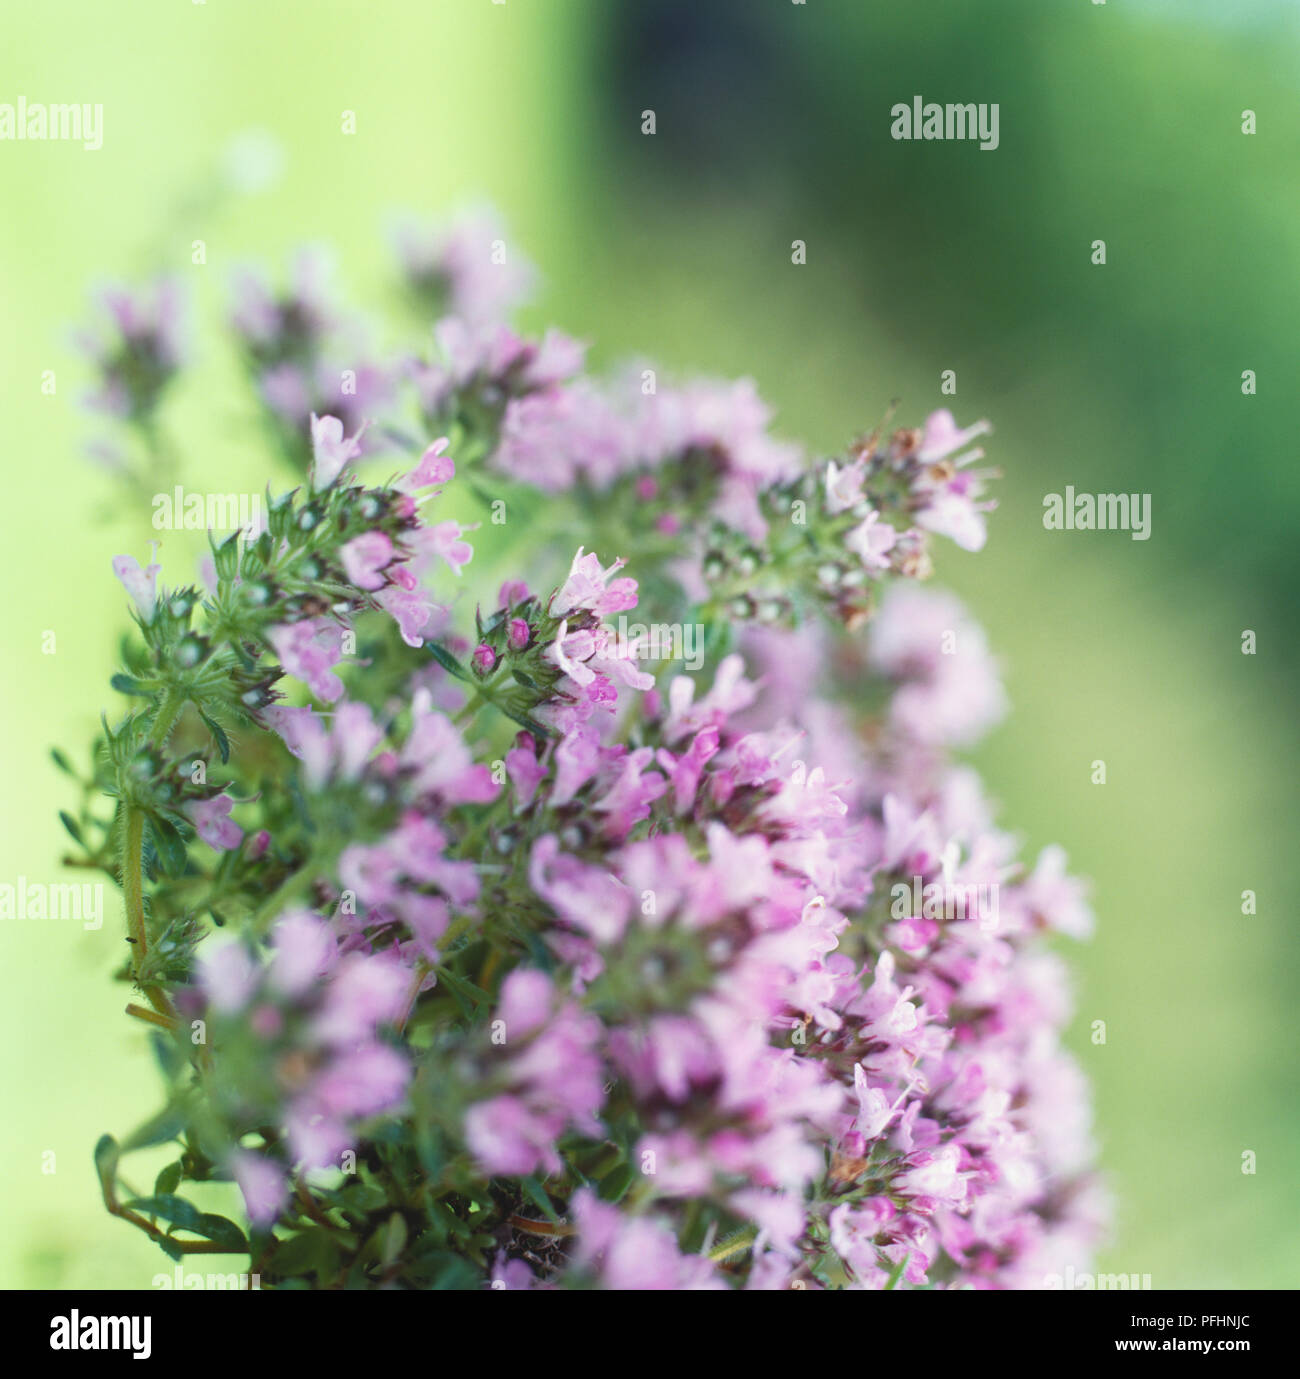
133, 878
133, 895
734, 1244
165, 719
480, 698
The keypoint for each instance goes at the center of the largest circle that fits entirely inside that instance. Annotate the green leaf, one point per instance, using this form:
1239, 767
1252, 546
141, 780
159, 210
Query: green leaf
167, 1054
185, 1216
169, 845
467, 996
71, 825
540, 954
168, 1180
537, 1195
124, 684
218, 736
432, 1149
363, 1197
175, 1210
447, 661
456, 1275
61, 761
313, 1251
391, 1239
106, 1157
159, 1129
537, 729
222, 1232
614, 1185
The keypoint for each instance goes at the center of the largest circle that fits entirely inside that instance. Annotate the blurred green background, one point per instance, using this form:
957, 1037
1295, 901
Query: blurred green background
1119, 122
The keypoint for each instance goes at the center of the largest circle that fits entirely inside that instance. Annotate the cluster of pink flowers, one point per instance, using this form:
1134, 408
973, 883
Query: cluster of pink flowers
136, 347
880, 1088
659, 980
783, 1033
303, 350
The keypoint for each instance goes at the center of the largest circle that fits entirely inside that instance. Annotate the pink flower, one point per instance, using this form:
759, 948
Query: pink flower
554, 1074
589, 587
331, 450
942, 437
213, 823
1055, 898
434, 468
305, 949
142, 585
526, 773
587, 655
684, 772
364, 992
361, 1082
365, 557
263, 1184
506, 1136
587, 897
871, 541
950, 690
951, 512
316, 1139
413, 610
440, 761
634, 1253
527, 997
228, 976
459, 260
934, 1176
577, 756
844, 486
945, 495
443, 541
512, 1275
308, 650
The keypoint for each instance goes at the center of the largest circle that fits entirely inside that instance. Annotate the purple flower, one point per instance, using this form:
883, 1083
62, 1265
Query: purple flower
309, 650
211, 819
263, 1184
228, 976
435, 468
331, 450
465, 268
365, 558
589, 587
362, 1081
142, 585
